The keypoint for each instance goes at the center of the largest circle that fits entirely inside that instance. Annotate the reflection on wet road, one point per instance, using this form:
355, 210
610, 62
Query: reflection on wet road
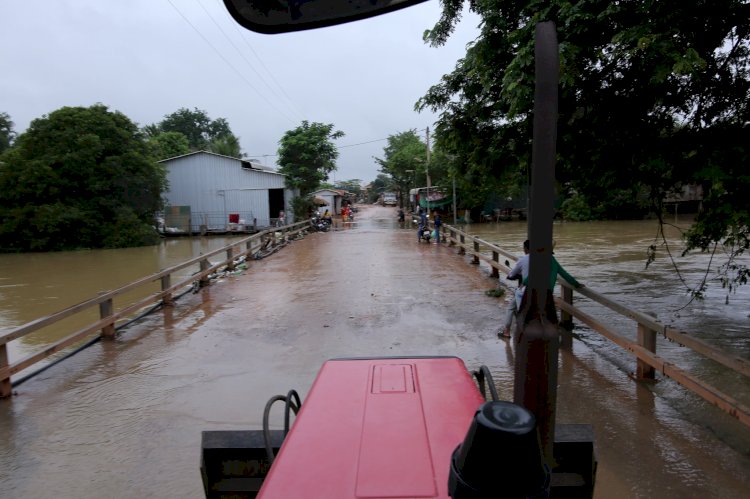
125, 417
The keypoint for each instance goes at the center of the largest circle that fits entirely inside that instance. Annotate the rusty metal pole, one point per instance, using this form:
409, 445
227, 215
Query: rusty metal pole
537, 340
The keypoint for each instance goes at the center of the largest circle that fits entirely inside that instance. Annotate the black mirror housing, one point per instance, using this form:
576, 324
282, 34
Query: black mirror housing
284, 16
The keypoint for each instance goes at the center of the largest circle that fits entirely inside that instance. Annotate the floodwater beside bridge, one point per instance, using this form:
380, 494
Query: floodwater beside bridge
123, 418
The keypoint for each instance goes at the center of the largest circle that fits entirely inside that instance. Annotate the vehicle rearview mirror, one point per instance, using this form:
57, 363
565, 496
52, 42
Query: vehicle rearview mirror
283, 16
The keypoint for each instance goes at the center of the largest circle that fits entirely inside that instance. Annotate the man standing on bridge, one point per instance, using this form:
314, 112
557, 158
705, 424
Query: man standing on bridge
519, 272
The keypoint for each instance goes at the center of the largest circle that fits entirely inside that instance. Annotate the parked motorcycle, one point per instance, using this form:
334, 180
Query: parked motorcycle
320, 224
424, 233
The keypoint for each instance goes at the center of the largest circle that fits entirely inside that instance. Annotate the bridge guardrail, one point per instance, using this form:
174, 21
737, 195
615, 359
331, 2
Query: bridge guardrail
105, 300
647, 329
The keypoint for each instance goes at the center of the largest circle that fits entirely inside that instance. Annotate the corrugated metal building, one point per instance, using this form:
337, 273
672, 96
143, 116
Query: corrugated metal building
332, 197
221, 190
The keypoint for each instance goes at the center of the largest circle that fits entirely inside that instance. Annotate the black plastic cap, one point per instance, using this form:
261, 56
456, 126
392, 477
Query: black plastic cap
500, 456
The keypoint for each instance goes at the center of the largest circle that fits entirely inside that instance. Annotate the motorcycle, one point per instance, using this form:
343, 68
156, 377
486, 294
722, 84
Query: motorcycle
424, 233
320, 224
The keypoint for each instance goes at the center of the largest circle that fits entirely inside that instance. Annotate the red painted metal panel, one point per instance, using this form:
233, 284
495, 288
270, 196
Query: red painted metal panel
376, 428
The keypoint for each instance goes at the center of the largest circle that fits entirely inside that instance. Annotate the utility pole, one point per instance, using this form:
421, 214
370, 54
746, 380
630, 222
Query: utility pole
535, 386
427, 165
427, 170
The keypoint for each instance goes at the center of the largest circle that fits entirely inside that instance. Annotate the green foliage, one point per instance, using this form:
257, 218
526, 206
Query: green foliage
6, 132
79, 178
203, 133
576, 208
382, 183
405, 161
307, 155
168, 145
227, 145
653, 95
353, 185
303, 207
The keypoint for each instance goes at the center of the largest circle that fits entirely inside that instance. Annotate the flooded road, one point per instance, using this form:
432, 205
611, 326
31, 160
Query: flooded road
123, 418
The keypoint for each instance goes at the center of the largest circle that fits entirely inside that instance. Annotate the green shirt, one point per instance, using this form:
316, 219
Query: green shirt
555, 269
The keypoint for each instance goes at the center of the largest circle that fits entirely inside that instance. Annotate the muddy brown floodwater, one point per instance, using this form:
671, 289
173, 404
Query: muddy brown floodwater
124, 418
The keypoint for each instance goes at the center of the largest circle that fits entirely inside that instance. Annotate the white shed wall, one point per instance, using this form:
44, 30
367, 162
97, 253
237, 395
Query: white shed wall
215, 186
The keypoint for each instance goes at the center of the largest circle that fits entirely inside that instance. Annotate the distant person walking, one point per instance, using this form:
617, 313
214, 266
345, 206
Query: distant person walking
437, 221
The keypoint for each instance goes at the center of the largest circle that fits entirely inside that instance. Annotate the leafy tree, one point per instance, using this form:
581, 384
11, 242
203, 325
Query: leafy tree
79, 178
152, 130
202, 132
405, 158
653, 95
6, 132
354, 186
303, 207
228, 145
307, 155
168, 145
382, 183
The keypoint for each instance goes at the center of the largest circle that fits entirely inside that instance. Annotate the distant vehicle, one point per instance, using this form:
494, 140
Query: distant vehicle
389, 199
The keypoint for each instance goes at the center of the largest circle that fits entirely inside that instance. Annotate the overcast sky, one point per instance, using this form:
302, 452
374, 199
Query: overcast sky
143, 58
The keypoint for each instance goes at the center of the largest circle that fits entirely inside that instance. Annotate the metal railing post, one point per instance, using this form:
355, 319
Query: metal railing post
204, 265
230, 258
496, 259
462, 249
105, 310
6, 389
475, 261
166, 283
566, 320
646, 339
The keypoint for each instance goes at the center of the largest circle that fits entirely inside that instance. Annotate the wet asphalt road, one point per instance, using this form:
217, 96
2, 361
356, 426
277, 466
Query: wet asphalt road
123, 419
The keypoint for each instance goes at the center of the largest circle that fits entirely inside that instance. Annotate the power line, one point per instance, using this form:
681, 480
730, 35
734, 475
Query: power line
229, 63
338, 147
242, 35
250, 65
361, 143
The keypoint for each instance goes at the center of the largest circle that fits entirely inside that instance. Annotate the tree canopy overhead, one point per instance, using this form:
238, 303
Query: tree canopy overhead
654, 94
307, 155
79, 178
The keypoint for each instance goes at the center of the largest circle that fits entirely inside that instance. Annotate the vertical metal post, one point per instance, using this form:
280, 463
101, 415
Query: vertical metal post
646, 339
462, 249
455, 213
496, 259
166, 283
230, 258
535, 386
105, 310
475, 261
6, 389
566, 320
204, 280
